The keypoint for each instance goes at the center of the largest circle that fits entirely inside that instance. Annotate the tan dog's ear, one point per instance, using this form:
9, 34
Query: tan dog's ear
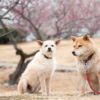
40, 42
85, 37
57, 42
73, 38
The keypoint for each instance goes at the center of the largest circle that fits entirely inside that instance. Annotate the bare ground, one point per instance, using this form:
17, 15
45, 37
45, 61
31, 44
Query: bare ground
64, 86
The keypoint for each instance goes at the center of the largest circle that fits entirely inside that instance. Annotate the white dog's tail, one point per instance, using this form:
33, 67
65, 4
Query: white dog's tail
22, 86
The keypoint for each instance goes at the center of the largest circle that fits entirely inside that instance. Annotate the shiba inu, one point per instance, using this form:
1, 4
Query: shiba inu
40, 69
87, 57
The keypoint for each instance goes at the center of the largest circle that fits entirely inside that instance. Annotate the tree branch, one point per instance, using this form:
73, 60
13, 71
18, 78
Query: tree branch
10, 9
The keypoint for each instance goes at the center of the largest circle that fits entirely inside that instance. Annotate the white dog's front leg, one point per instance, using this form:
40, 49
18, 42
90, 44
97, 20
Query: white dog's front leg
48, 85
43, 84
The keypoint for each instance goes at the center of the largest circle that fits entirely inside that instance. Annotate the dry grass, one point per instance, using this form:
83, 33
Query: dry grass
65, 86
63, 52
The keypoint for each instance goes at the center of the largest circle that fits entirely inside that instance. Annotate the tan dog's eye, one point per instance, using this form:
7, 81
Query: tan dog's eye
52, 45
46, 45
80, 46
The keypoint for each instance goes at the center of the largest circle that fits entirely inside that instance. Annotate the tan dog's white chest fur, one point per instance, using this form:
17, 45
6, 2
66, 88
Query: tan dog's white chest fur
40, 69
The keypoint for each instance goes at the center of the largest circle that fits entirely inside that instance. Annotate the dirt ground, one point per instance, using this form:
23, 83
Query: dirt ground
64, 86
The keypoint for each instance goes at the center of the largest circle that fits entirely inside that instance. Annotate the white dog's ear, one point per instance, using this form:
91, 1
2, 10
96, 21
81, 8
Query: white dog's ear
85, 37
73, 38
40, 42
57, 42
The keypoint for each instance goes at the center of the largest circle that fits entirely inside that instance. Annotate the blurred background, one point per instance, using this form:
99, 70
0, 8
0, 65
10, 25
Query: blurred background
22, 22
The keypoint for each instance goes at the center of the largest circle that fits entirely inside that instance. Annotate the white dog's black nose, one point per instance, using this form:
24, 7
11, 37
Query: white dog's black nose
49, 49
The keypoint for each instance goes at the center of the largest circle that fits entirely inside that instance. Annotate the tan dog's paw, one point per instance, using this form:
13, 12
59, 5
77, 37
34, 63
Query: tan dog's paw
82, 94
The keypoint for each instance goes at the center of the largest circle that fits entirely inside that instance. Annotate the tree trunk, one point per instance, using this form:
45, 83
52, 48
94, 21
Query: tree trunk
21, 66
14, 76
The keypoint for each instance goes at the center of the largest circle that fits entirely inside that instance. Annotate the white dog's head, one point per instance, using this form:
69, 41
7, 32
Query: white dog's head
48, 47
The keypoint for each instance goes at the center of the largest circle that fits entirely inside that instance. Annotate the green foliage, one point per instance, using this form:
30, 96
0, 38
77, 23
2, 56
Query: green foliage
5, 39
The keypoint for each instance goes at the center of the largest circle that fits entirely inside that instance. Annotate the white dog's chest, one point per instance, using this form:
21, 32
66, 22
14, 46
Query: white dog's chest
48, 66
42, 65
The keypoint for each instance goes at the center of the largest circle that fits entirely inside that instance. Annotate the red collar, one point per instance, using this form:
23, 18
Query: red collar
89, 58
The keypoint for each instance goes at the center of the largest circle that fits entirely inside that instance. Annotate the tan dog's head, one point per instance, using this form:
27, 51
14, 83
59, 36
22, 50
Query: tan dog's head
48, 47
82, 45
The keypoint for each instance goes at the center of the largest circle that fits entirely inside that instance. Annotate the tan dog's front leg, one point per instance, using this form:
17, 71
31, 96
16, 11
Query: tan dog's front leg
48, 85
83, 86
43, 84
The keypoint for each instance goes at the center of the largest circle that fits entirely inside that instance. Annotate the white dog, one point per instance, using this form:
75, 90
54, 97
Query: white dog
40, 69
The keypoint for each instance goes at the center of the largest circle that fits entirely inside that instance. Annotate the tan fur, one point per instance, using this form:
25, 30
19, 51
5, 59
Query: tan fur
40, 70
83, 48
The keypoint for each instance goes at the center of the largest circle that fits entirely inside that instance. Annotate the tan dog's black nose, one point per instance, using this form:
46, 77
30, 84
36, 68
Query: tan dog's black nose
73, 52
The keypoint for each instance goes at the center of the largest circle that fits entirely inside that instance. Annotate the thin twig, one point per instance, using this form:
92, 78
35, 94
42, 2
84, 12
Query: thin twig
4, 34
10, 9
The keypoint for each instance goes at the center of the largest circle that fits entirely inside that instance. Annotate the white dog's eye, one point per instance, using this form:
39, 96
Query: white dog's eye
46, 45
52, 45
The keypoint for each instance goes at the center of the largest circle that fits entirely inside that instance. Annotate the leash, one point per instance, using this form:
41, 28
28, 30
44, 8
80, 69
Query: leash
88, 80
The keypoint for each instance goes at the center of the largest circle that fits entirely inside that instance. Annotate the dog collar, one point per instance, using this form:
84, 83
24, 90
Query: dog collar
89, 58
47, 57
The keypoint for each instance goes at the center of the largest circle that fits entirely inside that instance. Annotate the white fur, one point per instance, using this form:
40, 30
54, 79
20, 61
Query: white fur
40, 69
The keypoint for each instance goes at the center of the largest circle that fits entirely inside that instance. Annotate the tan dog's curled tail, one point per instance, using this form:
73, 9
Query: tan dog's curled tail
22, 86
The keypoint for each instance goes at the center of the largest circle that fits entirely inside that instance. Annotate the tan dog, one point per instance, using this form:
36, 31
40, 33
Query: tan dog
87, 57
40, 69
